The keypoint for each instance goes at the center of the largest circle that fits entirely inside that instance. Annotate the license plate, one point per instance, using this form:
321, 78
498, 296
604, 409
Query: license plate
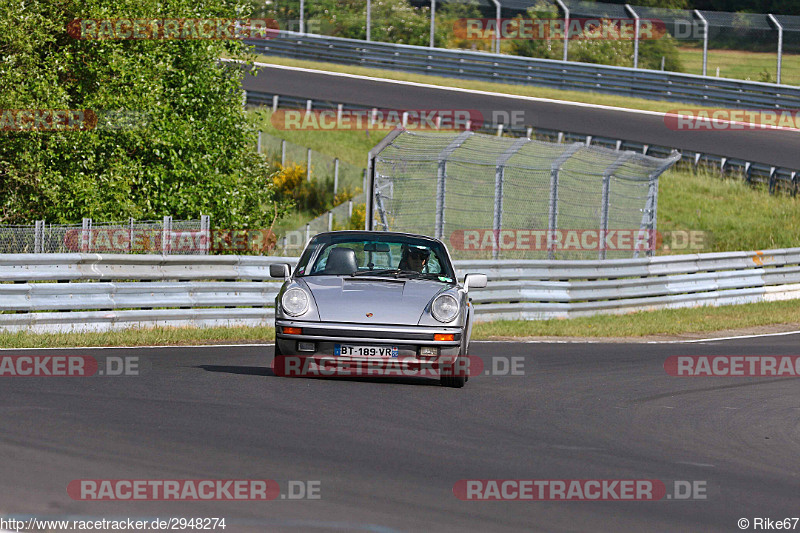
365, 351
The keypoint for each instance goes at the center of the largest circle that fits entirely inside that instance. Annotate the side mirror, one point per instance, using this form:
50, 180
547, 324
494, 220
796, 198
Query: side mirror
475, 281
280, 270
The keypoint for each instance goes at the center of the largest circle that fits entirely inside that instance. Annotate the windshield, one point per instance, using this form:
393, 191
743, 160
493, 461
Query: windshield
376, 255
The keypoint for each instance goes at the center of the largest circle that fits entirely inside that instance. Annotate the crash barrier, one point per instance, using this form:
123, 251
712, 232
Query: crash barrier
776, 178
83, 292
651, 84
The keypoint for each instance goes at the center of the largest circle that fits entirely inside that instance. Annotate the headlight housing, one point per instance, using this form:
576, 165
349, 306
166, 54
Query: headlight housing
295, 302
444, 308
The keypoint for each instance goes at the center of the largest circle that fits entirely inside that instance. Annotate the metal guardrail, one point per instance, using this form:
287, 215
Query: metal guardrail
121, 291
753, 172
639, 83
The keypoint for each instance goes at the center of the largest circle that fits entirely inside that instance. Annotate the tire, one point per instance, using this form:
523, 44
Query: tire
448, 377
279, 362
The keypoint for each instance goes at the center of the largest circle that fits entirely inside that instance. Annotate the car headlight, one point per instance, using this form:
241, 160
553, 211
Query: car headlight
295, 302
444, 308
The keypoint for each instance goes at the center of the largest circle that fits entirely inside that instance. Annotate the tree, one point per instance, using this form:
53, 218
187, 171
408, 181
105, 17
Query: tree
186, 148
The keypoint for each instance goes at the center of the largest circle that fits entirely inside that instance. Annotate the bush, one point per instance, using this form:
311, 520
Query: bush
191, 147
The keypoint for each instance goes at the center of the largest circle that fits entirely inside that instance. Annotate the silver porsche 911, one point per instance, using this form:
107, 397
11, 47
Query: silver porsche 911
366, 297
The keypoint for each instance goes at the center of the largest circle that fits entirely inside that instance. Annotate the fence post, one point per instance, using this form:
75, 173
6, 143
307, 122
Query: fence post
635, 35
335, 175
780, 43
349, 210
552, 220
308, 232
86, 235
499, 178
330, 220
38, 237
433, 22
205, 229
605, 204
369, 20
441, 181
274, 103
564, 8
258, 144
302, 17
130, 235
705, 40
166, 230
283, 152
308, 164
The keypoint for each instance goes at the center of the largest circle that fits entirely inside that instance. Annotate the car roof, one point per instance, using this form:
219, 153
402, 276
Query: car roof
367, 234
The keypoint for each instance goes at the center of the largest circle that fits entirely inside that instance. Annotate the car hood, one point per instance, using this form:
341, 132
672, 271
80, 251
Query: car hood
369, 300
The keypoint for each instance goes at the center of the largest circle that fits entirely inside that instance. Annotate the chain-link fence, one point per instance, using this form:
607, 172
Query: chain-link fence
504, 198
167, 236
344, 176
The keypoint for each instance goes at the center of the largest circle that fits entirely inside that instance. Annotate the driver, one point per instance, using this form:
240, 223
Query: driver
414, 258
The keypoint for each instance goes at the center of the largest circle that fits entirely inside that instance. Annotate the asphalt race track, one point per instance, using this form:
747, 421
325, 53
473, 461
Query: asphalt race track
775, 147
387, 453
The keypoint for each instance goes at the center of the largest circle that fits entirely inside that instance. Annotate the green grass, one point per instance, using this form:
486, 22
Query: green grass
349, 146
662, 322
736, 215
742, 65
139, 337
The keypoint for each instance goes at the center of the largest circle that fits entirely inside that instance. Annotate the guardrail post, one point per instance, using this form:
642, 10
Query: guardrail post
308, 232
274, 103
780, 43
330, 220
258, 143
283, 152
308, 165
705, 40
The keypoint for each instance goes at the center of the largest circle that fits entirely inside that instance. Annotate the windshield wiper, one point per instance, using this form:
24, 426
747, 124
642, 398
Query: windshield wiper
379, 272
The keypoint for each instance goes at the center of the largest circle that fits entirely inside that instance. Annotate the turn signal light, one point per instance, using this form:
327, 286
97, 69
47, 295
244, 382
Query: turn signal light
292, 331
442, 336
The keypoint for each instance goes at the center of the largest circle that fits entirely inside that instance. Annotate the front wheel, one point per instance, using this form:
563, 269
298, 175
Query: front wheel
279, 362
454, 375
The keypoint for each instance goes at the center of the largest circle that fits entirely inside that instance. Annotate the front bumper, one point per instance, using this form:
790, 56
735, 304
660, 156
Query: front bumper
325, 335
